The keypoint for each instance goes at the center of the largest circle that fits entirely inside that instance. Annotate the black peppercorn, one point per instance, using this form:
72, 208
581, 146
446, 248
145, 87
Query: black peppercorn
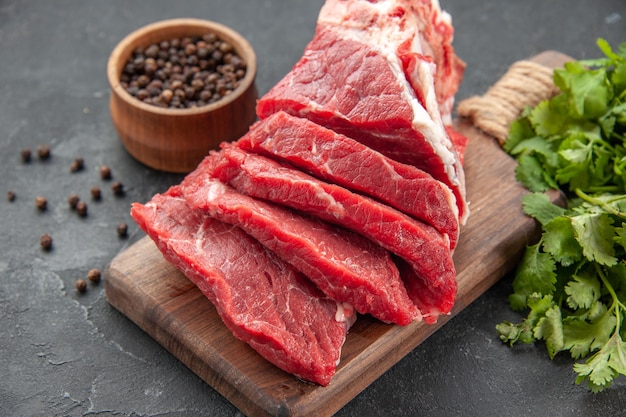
72, 201
105, 172
142, 94
43, 152
203, 52
94, 275
166, 96
41, 203
226, 47
81, 285
190, 49
143, 81
46, 242
152, 51
81, 209
96, 194
117, 188
11, 196
122, 230
209, 38
25, 154
77, 165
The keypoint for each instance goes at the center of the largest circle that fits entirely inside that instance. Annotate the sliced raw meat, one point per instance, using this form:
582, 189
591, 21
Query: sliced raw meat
346, 266
460, 142
425, 249
366, 77
262, 299
422, 29
341, 160
433, 302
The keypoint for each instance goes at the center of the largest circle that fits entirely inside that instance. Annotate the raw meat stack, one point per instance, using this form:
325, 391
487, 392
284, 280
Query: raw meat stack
345, 197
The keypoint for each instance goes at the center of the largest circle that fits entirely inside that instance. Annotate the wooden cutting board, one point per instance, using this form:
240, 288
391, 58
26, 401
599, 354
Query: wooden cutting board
167, 306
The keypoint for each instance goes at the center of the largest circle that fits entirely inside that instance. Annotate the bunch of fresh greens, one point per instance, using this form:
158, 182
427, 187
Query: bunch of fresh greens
572, 282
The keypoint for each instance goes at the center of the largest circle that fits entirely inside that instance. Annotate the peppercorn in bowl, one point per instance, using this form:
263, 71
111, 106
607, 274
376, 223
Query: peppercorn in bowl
179, 88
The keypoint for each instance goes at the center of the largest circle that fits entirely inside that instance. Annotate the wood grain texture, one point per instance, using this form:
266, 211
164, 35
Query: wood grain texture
162, 302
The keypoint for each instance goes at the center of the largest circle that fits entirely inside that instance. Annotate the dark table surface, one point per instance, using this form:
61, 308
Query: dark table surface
64, 353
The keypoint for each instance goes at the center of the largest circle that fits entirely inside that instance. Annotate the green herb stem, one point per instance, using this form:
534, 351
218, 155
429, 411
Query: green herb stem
617, 305
599, 203
605, 189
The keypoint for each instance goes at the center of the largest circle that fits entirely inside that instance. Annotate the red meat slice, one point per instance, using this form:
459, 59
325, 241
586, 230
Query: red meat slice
373, 83
425, 249
261, 299
343, 161
433, 302
421, 27
460, 142
346, 266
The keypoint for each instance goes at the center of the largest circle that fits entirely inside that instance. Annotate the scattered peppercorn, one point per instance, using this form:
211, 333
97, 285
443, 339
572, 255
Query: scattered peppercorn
46, 242
11, 196
81, 285
117, 188
122, 230
41, 203
26, 155
77, 165
183, 72
105, 172
73, 200
96, 194
43, 152
81, 208
94, 275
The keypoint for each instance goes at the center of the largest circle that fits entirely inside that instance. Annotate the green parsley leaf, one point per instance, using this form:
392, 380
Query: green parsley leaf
581, 337
514, 333
539, 206
618, 76
535, 274
606, 364
547, 120
524, 332
520, 130
589, 90
550, 329
583, 290
595, 234
559, 241
586, 160
620, 237
529, 172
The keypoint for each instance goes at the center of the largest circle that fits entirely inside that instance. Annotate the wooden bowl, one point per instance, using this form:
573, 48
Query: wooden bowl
176, 140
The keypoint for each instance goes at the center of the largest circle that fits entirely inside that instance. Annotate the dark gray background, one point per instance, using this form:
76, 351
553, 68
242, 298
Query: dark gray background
64, 354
